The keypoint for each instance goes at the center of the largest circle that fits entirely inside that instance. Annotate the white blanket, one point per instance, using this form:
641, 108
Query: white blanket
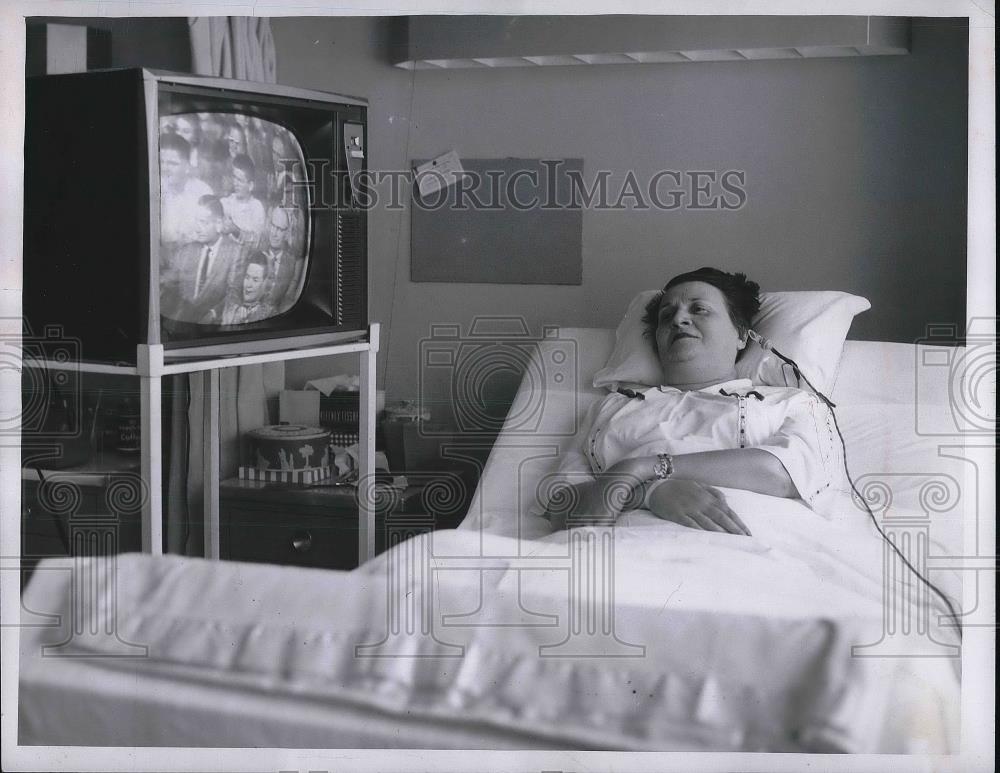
711, 641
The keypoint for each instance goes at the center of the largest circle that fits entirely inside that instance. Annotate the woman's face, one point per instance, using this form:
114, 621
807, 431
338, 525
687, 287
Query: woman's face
694, 328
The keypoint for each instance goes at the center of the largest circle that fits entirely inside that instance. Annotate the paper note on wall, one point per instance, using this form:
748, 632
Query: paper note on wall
438, 173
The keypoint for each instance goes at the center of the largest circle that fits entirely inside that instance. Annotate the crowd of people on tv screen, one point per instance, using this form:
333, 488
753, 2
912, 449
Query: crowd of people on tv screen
233, 214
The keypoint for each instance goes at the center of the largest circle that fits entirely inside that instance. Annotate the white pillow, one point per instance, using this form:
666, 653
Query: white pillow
810, 327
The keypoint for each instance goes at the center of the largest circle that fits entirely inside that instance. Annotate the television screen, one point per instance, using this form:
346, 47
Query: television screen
234, 219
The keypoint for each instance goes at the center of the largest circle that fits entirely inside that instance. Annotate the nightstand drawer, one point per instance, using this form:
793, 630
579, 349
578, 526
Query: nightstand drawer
263, 536
315, 526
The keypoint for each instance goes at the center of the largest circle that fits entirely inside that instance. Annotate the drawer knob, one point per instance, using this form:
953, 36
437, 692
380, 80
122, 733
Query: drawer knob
302, 542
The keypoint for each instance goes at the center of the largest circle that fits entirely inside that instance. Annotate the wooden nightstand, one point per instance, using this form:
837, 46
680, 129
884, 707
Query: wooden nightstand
313, 526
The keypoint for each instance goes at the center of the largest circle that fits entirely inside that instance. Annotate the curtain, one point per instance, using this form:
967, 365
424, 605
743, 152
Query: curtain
231, 47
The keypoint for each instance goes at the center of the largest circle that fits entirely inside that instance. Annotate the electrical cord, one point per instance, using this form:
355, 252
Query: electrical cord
768, 346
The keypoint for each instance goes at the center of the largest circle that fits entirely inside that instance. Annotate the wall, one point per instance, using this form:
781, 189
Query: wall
855, 174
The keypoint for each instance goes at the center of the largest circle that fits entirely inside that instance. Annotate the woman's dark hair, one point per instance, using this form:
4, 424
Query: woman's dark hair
742, 298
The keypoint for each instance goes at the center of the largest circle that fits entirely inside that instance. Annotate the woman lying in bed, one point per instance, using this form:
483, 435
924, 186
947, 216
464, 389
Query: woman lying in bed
666, 448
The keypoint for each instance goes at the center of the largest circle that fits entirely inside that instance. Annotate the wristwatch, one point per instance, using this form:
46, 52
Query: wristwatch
664, 466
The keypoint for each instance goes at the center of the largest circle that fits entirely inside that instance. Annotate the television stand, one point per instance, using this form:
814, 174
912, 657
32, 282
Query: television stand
151, 367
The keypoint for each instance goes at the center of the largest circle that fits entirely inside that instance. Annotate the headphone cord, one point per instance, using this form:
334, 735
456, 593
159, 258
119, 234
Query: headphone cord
802, 377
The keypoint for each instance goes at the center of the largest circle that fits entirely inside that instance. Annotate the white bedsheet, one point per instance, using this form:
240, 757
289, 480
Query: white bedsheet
720, 642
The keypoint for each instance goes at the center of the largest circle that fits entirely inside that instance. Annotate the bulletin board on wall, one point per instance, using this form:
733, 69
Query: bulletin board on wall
509, 221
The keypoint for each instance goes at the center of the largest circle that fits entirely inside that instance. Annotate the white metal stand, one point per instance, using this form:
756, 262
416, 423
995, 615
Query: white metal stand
210, 461
151, 368
366, 450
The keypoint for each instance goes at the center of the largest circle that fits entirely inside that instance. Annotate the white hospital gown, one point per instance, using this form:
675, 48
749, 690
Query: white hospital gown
793, 425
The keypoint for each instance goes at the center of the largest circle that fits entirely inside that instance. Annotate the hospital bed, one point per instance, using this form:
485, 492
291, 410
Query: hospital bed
499, 635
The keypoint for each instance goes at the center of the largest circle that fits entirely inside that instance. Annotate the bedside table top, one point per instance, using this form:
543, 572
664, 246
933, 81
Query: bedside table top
316, 495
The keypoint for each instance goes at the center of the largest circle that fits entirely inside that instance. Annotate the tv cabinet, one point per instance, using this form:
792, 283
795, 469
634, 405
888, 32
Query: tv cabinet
152, 365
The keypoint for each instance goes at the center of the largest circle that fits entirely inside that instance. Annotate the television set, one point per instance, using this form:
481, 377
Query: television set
211, 216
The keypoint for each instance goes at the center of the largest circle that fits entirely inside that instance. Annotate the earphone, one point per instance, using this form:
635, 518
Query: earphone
768, 346
758, 339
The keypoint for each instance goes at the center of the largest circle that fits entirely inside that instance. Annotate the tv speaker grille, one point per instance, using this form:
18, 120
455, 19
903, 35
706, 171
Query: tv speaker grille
351, 285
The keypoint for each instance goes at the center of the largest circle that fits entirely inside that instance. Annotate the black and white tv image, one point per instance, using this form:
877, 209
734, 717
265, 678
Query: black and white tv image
234, 218
207, 215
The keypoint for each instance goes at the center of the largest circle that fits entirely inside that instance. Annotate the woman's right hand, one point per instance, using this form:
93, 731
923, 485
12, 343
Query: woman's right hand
694, 505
